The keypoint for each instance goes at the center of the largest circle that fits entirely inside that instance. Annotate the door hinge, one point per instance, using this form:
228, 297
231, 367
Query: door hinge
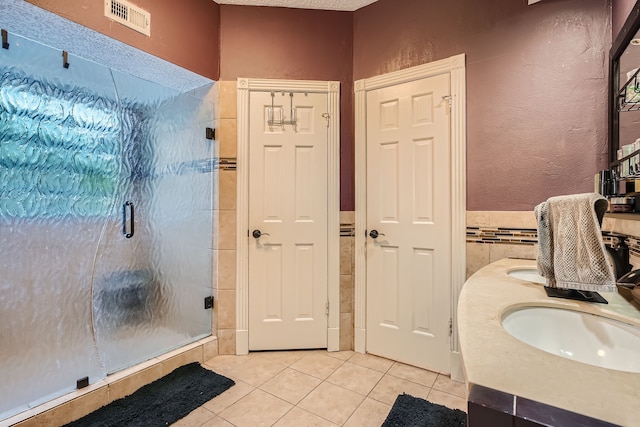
450, 327
448, 99
327, 117
5, 39
327, 308
208, 302
210, 133
65, 59
82, 382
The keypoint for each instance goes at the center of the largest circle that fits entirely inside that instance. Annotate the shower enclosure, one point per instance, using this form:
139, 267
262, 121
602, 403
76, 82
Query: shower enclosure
106, 222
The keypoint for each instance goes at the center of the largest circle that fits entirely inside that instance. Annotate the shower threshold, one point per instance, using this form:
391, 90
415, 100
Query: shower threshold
79, 403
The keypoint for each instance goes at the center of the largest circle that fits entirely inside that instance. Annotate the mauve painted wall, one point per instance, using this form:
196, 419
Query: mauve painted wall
184, 33
536, 75
300, 44
536, 86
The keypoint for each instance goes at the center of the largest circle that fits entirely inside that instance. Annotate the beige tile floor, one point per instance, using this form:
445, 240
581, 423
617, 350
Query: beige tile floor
317, 388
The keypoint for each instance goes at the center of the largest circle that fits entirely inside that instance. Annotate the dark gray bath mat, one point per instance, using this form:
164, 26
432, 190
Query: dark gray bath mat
162, 402
409, 411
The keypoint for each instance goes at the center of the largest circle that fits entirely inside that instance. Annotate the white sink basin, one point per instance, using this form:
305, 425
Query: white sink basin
528, 274
578, 336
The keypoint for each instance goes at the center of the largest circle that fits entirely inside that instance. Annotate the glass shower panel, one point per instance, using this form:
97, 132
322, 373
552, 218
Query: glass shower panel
153, 268
182, 214
59, 172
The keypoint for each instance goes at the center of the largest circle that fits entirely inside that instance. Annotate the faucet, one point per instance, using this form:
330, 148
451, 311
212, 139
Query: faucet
619, 254
627, 281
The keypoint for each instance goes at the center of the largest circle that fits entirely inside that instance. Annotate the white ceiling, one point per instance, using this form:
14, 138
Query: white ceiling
349, 5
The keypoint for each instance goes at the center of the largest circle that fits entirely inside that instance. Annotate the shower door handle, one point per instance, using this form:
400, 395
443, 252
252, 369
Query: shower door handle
129, 234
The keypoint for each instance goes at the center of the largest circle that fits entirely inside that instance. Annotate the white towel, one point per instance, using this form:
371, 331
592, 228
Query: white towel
571, 251
545, 243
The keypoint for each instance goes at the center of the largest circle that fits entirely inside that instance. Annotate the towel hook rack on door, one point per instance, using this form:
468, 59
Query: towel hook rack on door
282, 122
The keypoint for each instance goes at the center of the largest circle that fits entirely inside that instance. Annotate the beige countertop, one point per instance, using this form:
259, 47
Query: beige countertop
494, 359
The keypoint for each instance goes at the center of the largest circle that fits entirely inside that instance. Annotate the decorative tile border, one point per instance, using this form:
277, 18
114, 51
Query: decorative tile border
227, 164
516, 236
529, 237
502, 235
347, 230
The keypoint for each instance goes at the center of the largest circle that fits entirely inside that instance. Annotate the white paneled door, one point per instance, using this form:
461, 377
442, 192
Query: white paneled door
409, 223
288, 221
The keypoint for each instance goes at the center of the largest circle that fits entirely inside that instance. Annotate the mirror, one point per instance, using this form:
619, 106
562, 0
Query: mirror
624, 104
629, 103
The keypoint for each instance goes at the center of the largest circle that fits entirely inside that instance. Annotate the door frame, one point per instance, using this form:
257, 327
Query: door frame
455, 67
332, 89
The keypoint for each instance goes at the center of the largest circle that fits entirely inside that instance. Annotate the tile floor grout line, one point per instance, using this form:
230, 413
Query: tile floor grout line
365, 399
294, 404
285, 363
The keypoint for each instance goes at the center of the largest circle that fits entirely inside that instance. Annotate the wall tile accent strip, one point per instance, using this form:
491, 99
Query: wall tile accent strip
227, 164
529, 236
500, 235
347, 230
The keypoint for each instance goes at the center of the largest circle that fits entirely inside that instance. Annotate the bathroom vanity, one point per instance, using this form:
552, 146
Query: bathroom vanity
511, 383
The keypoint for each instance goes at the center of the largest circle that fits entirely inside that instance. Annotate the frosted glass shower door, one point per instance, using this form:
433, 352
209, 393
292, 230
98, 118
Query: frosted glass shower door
59, 168
154, 267
78, 299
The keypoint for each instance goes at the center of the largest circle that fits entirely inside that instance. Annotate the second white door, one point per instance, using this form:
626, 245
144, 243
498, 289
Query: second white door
408, 223
288, 221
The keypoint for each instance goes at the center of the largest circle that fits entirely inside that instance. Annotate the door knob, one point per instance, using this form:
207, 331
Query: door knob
257, 233
374, 234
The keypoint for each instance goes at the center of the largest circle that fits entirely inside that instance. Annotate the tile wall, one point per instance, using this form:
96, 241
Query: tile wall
492, 235
347, 281
227, 179
620, 227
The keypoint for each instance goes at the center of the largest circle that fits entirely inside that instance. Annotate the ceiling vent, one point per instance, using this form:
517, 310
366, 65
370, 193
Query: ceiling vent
128, 14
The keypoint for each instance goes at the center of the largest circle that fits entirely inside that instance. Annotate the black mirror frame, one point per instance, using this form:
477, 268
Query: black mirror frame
627, 32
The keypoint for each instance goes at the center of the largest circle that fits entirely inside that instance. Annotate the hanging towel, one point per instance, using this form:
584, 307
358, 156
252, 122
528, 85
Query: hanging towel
571, 250
545, 243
